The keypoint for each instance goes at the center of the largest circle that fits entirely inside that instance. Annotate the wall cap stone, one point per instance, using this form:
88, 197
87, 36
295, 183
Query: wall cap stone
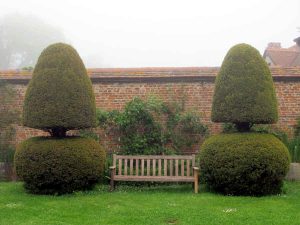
154, 75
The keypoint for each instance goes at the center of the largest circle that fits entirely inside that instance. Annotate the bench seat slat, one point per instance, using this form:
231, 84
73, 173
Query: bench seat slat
154, 178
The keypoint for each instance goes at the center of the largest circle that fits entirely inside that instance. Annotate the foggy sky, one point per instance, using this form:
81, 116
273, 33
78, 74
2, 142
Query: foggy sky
140, 33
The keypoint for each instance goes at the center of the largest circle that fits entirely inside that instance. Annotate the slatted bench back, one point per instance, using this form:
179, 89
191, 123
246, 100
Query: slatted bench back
154, 166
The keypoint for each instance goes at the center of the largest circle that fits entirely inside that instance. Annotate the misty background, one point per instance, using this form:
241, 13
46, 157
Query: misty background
136, 33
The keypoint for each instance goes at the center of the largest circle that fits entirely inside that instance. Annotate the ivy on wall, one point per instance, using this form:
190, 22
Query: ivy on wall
152, 126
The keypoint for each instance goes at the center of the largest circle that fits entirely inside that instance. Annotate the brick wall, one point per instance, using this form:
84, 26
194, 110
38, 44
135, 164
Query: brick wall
114, 87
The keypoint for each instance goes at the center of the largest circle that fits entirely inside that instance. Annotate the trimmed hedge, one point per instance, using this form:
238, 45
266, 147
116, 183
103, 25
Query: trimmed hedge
50, 165
244, 163
244, 90
60, 93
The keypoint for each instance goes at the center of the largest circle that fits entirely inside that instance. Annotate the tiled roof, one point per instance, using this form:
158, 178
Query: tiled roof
284, 56
155, 72
296, 61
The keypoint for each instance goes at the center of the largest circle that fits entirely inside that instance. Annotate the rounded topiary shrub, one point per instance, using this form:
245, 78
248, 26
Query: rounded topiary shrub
60, 93
244, 163
50, 165
244, 90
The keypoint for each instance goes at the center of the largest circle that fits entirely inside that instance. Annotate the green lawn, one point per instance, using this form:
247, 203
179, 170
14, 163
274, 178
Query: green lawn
153, 205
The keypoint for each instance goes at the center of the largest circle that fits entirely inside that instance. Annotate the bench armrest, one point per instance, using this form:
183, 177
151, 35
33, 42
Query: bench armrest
196, 168
196, 171
112, 167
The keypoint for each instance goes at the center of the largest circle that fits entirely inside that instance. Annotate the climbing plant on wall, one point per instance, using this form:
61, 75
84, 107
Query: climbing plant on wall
152, 126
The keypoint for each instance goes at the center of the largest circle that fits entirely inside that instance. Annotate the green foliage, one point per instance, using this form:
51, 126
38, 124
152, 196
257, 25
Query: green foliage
153, 127
294, 149
294, 143
107, 171
228, 128
59, 98
60, 94
259, 128
6, 163
244, 91
6, 144
244, 163
184, 129
140, 132
7, 155
268, 129
50, 165
89, 133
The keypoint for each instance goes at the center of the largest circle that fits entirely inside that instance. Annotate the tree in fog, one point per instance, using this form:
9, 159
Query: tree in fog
22, 38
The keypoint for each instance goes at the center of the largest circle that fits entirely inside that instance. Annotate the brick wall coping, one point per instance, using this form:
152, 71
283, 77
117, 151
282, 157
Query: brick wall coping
154, 74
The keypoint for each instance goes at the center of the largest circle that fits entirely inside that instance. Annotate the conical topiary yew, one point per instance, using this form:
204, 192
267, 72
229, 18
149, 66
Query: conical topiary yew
59, 98
245, 163
244, 91
59, 95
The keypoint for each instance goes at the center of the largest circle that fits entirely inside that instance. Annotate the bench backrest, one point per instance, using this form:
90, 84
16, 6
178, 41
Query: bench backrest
154, 165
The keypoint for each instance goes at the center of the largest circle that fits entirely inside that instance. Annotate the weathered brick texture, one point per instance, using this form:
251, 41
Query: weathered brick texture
115, 87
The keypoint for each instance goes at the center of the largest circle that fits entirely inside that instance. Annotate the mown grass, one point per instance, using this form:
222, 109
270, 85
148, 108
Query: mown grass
174, 204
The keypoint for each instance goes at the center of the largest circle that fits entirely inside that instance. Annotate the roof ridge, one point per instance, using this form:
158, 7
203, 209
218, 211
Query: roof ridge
282, 50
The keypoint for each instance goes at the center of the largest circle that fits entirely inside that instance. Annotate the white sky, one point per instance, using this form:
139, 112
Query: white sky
140, 33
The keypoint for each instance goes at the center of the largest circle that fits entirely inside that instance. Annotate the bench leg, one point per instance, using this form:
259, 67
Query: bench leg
196, 186
196, 182
112, 185
112, 181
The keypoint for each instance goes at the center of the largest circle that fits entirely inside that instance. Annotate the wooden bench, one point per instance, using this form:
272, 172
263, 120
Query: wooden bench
159, 168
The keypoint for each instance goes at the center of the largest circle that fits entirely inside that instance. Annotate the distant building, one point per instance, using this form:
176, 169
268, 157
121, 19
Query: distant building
275, 55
